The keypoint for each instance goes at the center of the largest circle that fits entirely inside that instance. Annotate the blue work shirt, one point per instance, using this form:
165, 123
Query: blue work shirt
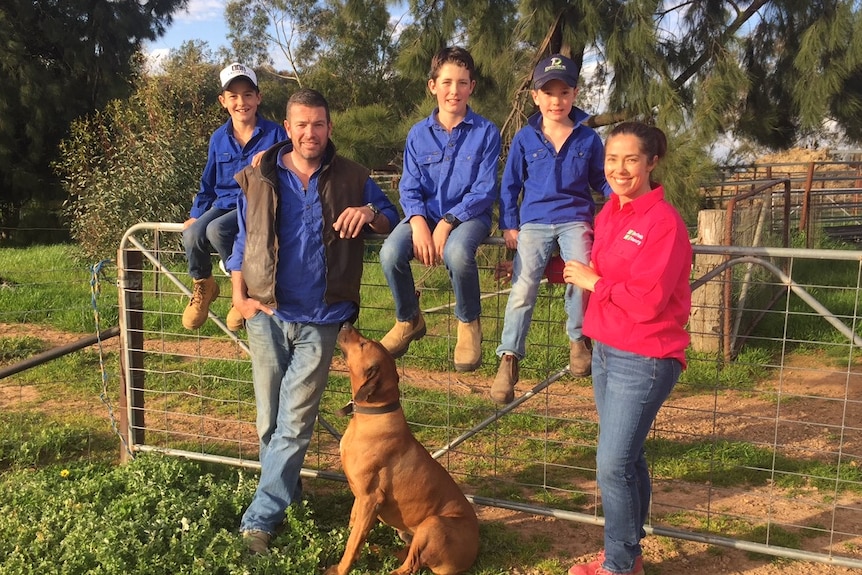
226, 158
556, 186
450, 172
300, 281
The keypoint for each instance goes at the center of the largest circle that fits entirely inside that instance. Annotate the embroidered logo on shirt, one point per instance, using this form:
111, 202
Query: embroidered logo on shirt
636, 238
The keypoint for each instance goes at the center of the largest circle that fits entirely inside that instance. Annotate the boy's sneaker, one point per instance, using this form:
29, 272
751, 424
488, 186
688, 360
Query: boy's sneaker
257, 542
595, 567
468, 350
402, 334
204, 293
580, 357
503, 388
234, 320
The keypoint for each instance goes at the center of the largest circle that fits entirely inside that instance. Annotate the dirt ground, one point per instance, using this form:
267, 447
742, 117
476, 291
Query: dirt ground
575, 543
572, 542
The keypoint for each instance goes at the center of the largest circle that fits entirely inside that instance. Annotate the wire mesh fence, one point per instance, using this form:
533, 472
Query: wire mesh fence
760, 452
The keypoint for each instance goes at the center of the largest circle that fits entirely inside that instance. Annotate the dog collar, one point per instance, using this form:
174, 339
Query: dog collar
351, 407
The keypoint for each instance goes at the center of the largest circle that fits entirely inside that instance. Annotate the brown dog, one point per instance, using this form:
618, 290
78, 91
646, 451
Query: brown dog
393, 477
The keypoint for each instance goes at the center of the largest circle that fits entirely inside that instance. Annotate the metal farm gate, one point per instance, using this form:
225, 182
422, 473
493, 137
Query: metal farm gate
760, 439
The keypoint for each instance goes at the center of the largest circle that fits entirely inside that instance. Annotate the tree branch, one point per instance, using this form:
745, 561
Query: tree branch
741, 19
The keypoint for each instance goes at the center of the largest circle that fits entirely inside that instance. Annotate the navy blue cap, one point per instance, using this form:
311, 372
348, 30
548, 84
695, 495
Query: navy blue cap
556, 67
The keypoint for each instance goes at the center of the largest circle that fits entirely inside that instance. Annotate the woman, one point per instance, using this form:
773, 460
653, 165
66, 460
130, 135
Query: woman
636, 316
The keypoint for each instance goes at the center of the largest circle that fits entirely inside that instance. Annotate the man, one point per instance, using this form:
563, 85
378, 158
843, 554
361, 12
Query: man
299, 251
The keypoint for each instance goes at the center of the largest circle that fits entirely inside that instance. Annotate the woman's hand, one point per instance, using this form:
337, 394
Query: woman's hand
581, 275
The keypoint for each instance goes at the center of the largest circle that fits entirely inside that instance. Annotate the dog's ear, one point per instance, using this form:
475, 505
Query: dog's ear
369, 386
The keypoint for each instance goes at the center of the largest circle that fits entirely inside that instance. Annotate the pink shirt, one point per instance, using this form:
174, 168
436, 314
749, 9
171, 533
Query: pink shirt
642, 302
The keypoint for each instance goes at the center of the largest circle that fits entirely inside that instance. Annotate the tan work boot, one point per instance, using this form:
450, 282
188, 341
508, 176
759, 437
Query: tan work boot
468, 350
581, 357
503, 388
234, 319
402, 334
204, 293
257, 542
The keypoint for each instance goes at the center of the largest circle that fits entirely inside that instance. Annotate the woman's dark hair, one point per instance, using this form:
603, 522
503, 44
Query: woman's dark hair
653, 141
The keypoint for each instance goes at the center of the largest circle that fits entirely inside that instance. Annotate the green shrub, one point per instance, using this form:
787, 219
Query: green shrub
139, 159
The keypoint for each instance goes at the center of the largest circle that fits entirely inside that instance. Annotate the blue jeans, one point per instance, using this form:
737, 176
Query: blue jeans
629, 389
459, 255
536, 244
214, 229
290, 367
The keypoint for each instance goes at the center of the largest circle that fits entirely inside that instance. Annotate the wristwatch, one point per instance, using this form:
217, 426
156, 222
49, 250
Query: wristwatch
374, 209
451, 220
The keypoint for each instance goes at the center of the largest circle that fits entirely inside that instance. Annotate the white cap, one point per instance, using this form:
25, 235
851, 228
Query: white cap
234, 71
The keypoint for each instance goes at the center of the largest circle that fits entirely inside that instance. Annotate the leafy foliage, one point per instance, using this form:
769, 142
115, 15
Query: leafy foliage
61, 60
140, 159
159, 515
701, 71
368, 135
156, 515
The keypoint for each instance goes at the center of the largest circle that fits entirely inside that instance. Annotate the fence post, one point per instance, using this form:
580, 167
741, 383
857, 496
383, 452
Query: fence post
705, 321
131, 299
804, 224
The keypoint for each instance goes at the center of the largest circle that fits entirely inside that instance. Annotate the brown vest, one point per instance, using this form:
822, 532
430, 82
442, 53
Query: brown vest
340, 185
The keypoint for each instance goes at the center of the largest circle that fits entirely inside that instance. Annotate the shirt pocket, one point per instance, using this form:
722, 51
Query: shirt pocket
465, 170
429, 167
227, 166
624, 250
577, 164
537, 157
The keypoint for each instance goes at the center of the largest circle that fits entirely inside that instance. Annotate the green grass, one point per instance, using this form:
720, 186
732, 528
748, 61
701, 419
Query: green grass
49, 285
31, 439
706, 374
166, 515
834, 286
738, 463
14, 349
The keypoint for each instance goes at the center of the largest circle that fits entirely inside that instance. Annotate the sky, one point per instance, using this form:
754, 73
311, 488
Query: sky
202, 20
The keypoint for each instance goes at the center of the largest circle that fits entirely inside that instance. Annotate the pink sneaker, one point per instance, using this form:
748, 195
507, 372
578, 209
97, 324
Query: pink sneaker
595, 567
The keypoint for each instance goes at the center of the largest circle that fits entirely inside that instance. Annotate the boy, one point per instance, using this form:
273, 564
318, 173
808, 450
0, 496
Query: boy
212, 223
447, 190
553, 162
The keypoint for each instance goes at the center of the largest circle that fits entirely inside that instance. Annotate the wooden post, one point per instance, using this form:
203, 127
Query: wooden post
705, 322
131, 302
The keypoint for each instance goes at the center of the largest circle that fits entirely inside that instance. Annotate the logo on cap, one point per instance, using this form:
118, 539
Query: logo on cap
556, 64
556, 67
234, 71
